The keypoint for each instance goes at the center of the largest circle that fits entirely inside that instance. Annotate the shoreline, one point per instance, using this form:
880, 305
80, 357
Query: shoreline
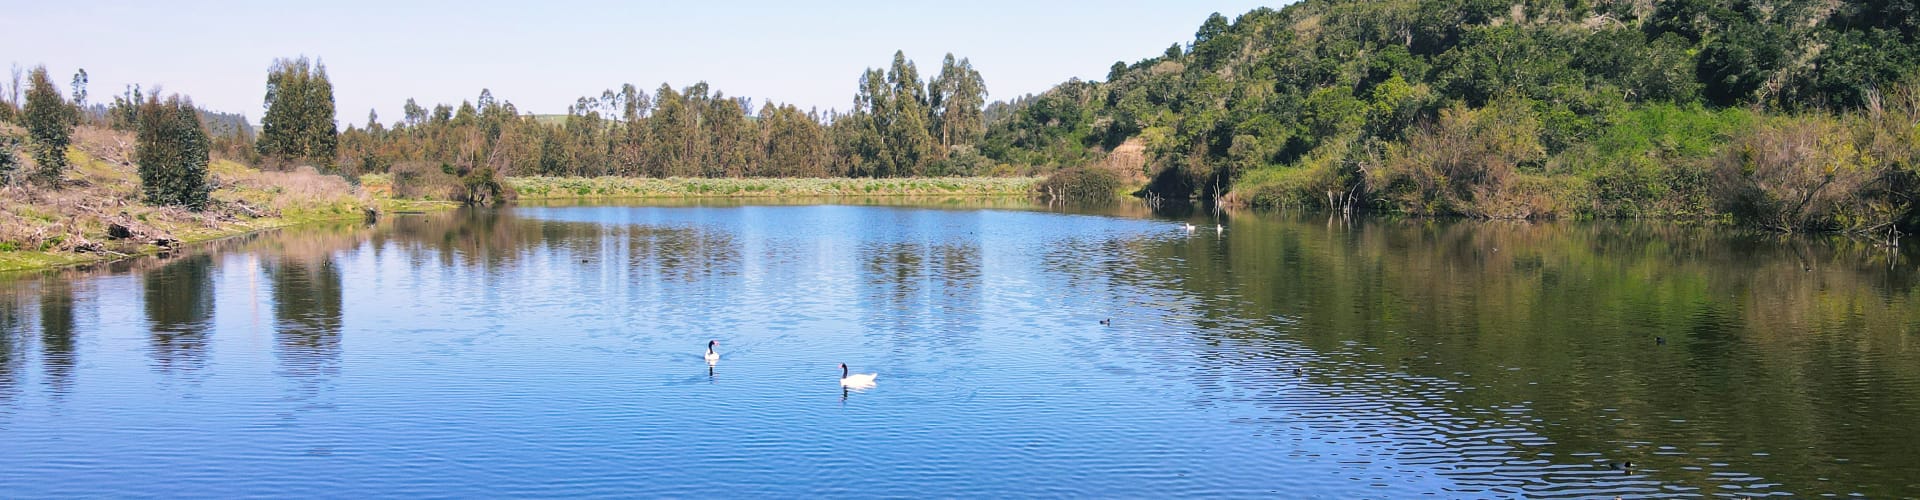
585, 188
14, 264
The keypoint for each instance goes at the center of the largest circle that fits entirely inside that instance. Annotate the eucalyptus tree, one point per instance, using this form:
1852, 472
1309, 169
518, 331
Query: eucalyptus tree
50, 121
299, 121
172, 149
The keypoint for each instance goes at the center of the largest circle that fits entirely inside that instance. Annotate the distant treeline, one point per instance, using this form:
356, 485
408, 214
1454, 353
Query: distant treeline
900, 125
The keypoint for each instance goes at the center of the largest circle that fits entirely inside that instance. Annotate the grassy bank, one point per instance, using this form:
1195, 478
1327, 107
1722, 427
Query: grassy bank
555, 188
96, 213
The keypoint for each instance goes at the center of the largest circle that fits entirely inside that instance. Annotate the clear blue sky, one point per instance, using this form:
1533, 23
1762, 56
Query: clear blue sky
541, 55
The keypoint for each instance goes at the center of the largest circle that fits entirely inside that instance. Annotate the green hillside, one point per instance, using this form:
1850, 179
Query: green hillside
1787, 114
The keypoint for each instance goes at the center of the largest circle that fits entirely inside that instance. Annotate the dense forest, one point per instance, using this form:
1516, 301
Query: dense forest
1783, 114
1786, 114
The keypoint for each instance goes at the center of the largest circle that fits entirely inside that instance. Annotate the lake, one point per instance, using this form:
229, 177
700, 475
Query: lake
557, 350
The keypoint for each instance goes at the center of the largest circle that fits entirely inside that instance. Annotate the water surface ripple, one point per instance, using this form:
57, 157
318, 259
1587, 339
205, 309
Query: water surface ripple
545, 351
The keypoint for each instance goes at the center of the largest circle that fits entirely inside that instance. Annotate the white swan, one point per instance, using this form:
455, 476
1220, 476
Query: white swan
855, 380
712, 357
1219, 229
1188, 226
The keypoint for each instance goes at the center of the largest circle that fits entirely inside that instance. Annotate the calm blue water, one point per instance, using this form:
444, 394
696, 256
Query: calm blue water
556, 351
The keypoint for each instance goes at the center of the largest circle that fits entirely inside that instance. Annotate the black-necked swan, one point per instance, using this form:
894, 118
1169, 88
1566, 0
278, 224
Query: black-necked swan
855, 380
712, 357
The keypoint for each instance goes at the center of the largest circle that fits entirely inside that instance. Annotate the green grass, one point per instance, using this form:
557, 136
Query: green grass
549, 188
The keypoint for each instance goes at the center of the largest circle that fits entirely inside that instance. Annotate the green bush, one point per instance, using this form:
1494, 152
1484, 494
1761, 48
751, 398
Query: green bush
482, 187
1079, 184
420, 180
1795, 174
1290, 187
1466, 164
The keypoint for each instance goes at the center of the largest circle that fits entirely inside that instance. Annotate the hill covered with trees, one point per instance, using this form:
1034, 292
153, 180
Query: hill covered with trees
1787, 114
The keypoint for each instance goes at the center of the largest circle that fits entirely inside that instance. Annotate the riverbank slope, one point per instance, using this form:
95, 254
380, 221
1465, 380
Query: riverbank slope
95, 214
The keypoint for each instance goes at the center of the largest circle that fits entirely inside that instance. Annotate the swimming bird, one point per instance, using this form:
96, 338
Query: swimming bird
855, 380
712, 357
1219, 229
1660, 341
1188, 226
1107, 322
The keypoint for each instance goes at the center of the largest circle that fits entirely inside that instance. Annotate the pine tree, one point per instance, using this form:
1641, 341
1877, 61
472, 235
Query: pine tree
49, 121
323, 134
172, 150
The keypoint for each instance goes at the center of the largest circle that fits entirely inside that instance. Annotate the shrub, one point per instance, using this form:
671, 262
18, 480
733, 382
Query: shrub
9, 163
1796, 174
482, 187
1079, 184
1465, 164
420, 180
1654, 161
1291, 187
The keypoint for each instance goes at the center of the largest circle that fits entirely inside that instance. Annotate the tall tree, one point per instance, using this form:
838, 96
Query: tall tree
172, 151
725, 127
414, 114
50, 122
13, 90
80, 90
299, 121
124, 113
959, 99
862, 134
906, 119
322, 133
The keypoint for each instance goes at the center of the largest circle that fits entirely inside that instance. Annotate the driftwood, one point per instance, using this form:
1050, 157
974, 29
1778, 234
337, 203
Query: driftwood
83, 245
248, 210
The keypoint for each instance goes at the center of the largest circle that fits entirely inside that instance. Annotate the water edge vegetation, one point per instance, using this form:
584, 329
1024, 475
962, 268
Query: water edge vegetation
1782, 115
